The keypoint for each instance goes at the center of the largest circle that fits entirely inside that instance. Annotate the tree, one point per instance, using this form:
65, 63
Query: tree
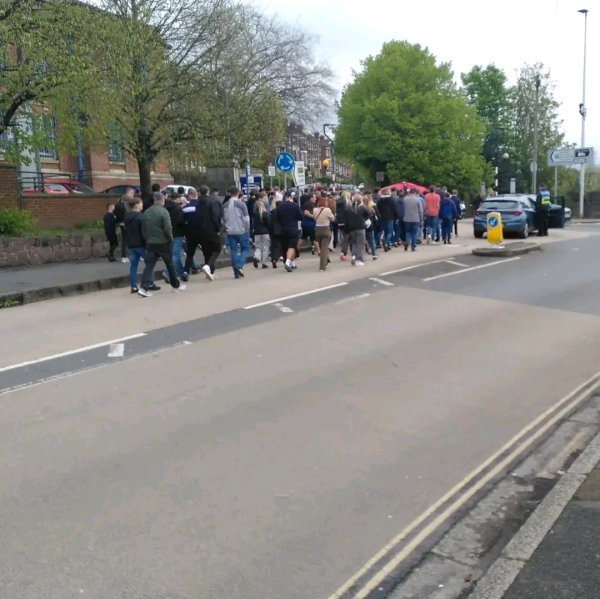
50, 53
522, 124
403, 115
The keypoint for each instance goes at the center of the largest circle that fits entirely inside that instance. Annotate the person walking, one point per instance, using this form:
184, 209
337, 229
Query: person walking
432, 212
262, 240
387, 209
324, 217
477, 201
237, 227
275, 231
371, 222
110, 230
204, 224
136, 243
447, 217
178, 227
158, 233
121, 210
542, 208
356, 223
288, 217
413, 217
456, 201
401, 232
342, 206
308, 202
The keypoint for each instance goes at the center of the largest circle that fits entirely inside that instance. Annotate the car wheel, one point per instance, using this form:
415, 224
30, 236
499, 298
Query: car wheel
524, 232
478, 234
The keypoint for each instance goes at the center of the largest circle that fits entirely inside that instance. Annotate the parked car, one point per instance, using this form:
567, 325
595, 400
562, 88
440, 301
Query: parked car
61, 185
120, 189
518, 215
173, 189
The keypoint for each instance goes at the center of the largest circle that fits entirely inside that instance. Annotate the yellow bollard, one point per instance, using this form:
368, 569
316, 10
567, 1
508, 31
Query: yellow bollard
494, 228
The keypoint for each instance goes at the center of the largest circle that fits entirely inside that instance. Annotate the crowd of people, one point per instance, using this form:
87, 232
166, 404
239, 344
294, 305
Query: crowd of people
273, 224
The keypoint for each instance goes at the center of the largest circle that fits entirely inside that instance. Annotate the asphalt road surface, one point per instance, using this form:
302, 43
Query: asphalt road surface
271, 444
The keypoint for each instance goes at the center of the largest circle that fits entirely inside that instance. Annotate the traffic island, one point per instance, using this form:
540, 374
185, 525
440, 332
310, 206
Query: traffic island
508, 250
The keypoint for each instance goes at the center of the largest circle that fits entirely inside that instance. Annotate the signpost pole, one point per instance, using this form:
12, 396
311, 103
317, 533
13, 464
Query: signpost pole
582, 110
284, 181
534, 164
555, 182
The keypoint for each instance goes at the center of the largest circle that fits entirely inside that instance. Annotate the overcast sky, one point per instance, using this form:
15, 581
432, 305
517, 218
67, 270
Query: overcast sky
467, 33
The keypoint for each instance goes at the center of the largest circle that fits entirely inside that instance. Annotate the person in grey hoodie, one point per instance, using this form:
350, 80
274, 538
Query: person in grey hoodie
237, 226
413, 217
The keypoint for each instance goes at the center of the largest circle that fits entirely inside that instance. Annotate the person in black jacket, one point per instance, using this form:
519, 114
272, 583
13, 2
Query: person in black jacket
275, 231
178, 228
110, 230
288, 216
121, 210
136, 243
342, 205
203, 217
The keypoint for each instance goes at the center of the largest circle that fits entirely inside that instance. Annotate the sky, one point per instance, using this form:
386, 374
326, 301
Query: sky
466, 33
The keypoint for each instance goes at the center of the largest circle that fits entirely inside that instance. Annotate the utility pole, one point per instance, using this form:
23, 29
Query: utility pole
534, 163
583, 112
332, 149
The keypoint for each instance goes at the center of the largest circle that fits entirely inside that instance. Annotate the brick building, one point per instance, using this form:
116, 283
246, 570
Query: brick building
101, 168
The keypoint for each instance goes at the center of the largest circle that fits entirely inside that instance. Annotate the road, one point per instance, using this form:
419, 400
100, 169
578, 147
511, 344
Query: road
265, 439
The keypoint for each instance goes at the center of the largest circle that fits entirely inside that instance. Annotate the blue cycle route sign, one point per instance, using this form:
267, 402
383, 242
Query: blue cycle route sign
493, 221
284, 162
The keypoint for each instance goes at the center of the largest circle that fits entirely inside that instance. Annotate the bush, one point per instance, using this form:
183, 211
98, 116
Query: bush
15, 222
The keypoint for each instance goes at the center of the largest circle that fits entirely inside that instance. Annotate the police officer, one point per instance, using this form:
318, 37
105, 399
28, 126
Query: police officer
542, 207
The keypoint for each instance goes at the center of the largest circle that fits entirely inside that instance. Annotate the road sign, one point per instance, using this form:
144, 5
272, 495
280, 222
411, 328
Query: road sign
284, 162
562, 157
248, 170
494, 228
247, 186
584, 155
299, 174
379, 176
513, 185
272, 171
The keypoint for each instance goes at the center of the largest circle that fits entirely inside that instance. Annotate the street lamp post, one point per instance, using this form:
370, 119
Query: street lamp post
534, 162
332, 149
583, 112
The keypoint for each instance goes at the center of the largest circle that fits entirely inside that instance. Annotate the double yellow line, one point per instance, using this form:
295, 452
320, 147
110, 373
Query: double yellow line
519, 444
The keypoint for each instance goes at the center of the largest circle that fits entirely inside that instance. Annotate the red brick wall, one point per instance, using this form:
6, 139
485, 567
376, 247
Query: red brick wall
64, 211
9, 187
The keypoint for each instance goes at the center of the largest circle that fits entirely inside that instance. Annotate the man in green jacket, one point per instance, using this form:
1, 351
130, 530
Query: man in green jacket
158, 234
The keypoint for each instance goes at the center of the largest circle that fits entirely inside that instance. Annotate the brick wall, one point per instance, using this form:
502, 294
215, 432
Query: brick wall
9, 187
64, 211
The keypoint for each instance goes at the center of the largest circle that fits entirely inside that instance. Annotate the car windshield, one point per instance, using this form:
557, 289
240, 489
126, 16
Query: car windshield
80, 188
56, 188
500, 205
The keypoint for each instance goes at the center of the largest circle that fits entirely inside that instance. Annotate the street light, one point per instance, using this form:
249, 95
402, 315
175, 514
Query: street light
583, 113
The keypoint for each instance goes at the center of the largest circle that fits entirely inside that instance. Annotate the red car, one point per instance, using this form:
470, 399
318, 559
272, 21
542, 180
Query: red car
61, 185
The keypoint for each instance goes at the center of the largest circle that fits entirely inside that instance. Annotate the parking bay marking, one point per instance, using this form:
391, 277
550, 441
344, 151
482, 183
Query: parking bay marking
288, 297
462, 265
522, 443
381, 281
458, 272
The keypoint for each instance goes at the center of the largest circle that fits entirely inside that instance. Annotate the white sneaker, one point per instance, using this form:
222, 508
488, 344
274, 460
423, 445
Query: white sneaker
206, 270
359, 263
144, 292
124, 260
353, 261
179, 289
428, 239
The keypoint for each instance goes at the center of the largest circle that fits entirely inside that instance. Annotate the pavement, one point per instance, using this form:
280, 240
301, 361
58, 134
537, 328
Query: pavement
270, 437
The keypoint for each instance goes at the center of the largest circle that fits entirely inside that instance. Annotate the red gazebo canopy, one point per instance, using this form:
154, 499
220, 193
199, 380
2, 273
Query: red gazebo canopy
406, 185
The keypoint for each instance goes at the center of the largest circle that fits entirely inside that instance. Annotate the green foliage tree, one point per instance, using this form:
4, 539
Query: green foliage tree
50, 53
522, 124
403, 115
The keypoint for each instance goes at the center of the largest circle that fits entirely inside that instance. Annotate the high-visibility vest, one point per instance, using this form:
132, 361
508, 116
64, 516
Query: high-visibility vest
545, 198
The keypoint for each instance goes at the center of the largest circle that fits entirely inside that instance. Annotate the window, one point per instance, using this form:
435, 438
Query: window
116, 152
49, 137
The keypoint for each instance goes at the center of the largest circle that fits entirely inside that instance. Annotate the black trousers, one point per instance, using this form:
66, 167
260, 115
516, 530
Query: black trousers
542, 222
123, 242
153, 254
334, 232
456, 226
113, 243
211, 248
276, 248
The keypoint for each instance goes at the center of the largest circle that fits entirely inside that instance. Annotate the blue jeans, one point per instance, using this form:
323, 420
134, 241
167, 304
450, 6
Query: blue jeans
135, 255
238, 260
412, 234
432, 223
176, 247
371, 242
387, 227
447, 228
